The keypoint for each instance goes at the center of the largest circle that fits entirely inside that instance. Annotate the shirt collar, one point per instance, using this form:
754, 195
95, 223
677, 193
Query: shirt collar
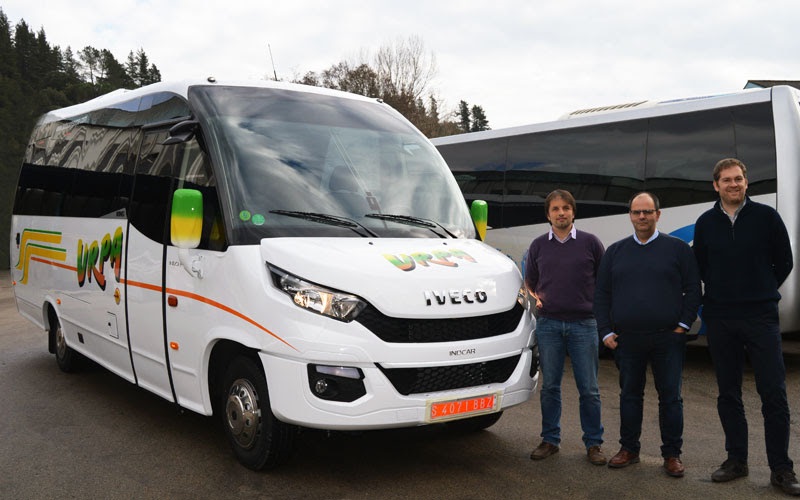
572, 234
735, 213
655, 235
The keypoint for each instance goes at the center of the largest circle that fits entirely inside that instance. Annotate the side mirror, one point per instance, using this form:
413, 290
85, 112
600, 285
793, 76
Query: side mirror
480, 215
186, 220
182, 132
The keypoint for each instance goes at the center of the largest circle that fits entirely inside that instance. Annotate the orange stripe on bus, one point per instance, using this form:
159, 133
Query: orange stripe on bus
208, 301
56, 264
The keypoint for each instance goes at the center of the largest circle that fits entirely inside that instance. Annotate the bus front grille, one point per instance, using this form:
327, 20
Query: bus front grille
412, 331
444, 378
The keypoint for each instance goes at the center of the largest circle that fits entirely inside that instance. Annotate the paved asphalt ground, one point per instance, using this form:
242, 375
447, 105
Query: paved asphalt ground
92, 435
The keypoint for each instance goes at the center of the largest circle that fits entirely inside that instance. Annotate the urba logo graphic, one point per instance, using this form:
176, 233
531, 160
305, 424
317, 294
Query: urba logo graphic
93, 256
406, 262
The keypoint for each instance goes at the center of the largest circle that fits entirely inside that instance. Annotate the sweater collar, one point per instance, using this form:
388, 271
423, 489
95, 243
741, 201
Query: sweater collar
745, 201
573, 233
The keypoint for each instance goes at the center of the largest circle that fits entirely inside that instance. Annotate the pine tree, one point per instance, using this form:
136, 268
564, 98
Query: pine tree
479, 121
463, 116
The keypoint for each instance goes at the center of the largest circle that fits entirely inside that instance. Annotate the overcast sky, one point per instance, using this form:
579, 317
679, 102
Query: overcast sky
523, 61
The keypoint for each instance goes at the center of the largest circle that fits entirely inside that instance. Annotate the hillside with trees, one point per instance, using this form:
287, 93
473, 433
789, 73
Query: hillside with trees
37, 77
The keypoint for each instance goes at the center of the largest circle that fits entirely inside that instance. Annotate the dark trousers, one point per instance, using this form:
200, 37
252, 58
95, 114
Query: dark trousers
760, 338
665, 351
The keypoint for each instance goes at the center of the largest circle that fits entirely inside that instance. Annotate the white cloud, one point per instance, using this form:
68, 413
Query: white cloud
523, 61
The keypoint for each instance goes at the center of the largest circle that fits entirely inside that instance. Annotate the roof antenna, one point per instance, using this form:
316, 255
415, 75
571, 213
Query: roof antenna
273, 63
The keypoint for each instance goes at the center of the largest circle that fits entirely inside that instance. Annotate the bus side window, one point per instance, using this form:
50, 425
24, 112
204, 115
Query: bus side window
152, 187
41, 190
196, 173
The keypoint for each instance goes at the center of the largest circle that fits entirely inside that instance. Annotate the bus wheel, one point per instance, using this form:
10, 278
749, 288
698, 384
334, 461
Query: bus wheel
259, 440
66, 358
474, 424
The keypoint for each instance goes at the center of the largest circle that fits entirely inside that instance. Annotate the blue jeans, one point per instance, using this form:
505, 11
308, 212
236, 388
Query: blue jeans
665, 351
579, 339
728, 339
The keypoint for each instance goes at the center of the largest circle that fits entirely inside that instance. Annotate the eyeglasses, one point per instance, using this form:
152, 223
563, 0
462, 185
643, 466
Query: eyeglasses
637, 213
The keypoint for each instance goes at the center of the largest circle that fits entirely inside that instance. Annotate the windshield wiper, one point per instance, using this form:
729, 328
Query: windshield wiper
331, 220
413, 221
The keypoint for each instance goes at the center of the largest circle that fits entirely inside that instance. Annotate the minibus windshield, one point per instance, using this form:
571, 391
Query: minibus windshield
309, 164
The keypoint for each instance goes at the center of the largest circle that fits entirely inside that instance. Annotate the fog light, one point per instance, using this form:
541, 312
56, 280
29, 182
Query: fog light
336, 383
321, 386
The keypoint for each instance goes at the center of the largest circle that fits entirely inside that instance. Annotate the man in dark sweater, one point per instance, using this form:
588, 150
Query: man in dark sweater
744, 254
646, 299
560, 272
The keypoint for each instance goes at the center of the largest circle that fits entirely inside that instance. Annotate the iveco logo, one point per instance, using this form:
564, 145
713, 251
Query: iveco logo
454, 296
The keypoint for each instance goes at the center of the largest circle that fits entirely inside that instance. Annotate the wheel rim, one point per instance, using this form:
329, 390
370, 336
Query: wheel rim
61, 343
242, 413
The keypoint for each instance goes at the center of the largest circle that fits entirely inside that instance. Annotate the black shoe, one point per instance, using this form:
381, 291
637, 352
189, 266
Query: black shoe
786, 481
729, 470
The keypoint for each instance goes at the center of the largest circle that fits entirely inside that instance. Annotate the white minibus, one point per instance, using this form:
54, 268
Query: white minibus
279, 255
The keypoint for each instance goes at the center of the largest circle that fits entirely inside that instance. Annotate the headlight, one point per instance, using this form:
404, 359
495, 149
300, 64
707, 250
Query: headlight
316, 298
522, 297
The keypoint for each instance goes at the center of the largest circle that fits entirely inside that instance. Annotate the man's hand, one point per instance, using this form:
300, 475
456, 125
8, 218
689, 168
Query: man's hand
611, 341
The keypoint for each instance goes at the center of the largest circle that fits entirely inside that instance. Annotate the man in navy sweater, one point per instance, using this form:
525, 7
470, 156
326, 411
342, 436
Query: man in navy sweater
646, 299
560, 272
744, 254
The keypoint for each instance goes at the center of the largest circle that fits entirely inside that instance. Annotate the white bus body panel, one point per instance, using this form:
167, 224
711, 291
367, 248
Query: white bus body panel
92, 318
236, 300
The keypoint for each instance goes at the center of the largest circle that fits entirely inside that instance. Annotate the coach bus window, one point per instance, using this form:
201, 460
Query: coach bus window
755, 146
682, 149
478, 169
602, 166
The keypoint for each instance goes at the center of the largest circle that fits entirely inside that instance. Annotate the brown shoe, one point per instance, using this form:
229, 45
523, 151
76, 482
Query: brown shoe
623, 458
596, 456
543, 451
674, 466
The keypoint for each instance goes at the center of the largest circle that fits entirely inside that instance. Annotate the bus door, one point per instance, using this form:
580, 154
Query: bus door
194, 279
145, 263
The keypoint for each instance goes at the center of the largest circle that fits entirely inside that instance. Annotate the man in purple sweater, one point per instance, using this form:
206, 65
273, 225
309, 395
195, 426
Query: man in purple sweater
560, 273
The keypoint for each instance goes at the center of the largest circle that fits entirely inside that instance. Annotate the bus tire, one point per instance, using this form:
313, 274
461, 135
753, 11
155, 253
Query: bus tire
474, 424
258, 439
66, 358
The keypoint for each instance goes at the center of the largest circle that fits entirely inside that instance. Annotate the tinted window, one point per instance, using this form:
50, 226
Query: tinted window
681, 152
755, 146
195, 173
153, 186
478, 168
602, 166
40, 190
683, 149
309, 165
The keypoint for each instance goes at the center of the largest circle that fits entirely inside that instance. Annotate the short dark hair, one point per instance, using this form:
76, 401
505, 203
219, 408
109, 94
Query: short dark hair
727, 163
653, 197
564, 195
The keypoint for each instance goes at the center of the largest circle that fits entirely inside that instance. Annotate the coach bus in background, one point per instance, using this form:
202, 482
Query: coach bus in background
275, 254
605, 155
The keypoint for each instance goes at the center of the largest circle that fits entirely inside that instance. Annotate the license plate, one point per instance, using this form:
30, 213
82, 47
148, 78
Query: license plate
452, 409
